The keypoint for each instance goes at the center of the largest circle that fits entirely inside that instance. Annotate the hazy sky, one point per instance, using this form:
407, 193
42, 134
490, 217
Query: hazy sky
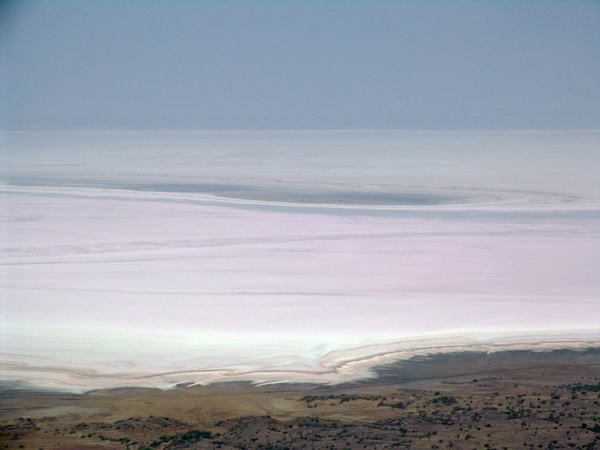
294, 65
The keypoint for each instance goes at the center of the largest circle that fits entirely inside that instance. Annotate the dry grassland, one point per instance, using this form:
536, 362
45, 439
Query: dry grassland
554, 403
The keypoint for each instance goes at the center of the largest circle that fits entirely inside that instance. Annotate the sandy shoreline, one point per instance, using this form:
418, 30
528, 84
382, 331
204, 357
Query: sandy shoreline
363, 364
422, 369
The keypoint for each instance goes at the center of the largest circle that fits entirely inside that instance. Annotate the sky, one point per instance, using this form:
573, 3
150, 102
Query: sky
433, 65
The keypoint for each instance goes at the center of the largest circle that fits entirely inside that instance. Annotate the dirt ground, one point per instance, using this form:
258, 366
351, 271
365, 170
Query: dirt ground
462, 401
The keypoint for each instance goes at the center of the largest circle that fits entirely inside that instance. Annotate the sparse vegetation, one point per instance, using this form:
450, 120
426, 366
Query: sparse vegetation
493, 412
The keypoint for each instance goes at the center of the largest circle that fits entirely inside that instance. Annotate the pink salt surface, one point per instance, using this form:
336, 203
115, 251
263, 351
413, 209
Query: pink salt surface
106, 288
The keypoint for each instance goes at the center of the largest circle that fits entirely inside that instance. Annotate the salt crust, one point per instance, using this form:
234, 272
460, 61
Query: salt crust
335, 367
332, 366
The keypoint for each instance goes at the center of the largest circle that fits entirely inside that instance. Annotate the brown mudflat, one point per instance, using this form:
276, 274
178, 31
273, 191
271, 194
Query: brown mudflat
502, 400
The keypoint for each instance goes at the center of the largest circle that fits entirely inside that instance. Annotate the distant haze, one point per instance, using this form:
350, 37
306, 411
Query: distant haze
301, 65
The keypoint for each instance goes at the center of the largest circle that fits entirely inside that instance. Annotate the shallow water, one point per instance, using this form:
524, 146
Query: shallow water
154, 258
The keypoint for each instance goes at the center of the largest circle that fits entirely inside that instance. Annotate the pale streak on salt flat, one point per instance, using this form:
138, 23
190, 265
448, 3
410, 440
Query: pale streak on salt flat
159, 258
